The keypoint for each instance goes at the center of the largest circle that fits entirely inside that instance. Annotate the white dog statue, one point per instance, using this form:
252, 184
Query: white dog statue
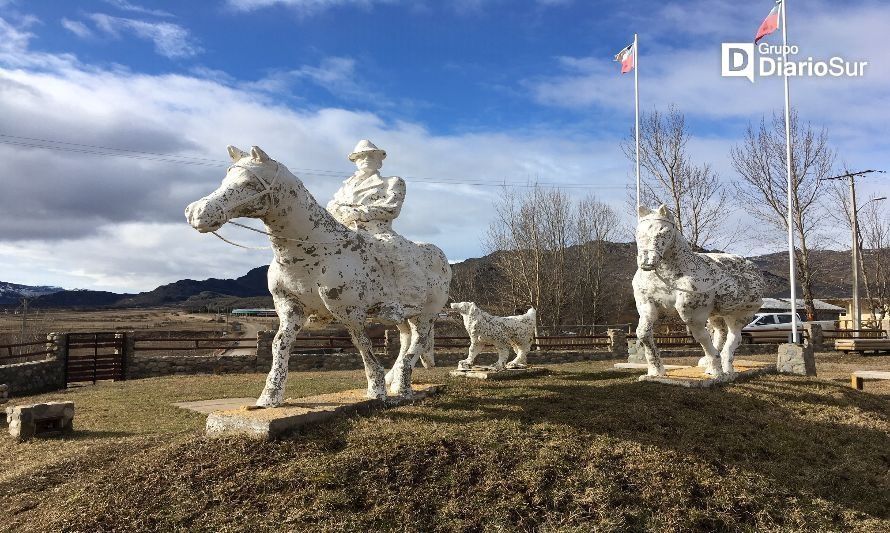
503, 333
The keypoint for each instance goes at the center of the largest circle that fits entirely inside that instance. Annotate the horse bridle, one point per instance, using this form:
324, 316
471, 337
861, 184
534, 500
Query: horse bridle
661, 256
653, 250
267, 189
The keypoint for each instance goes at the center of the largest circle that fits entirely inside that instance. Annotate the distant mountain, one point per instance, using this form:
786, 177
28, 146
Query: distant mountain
250, 290
251, 285
12, 293
79, 299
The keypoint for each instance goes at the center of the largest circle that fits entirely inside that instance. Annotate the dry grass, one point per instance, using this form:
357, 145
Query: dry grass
584, 449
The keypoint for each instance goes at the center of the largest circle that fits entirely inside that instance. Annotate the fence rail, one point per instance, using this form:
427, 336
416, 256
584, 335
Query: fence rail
196, 343
855, 333
7, 353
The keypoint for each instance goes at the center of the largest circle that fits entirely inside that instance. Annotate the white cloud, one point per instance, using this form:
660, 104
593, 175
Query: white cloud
116, 223
303, 6
77, 28
134, 8
170, 40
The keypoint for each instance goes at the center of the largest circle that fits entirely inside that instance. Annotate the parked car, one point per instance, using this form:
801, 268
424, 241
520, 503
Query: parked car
778, 325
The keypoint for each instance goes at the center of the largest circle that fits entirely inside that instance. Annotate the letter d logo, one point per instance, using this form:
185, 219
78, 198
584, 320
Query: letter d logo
737, 60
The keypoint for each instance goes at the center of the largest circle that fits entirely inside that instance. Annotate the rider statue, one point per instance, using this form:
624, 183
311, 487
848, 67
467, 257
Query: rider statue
366, 200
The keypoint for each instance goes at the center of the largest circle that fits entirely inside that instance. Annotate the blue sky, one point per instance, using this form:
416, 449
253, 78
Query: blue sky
471, 90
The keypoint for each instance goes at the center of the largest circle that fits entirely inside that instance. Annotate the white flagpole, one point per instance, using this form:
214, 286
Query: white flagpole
637, 113
791, 262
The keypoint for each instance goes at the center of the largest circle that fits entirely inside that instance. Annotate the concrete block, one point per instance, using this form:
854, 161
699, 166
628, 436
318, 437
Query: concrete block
796, 359
272, 423
487, 372
51, 418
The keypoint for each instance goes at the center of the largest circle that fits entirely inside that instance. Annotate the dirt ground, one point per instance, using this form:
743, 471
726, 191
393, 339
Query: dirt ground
40, 322
585, 448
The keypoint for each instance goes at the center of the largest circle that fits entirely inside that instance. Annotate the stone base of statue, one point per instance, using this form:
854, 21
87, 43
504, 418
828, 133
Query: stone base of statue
492, 373
240, 417
642, 367
796, 359
695, 376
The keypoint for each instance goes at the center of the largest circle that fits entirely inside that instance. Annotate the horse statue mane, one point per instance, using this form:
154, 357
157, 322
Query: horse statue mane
716, 289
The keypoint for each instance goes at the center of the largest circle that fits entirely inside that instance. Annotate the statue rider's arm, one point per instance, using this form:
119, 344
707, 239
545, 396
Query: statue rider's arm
390, 205
345, 214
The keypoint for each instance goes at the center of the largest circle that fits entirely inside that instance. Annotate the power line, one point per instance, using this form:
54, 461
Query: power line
107, 151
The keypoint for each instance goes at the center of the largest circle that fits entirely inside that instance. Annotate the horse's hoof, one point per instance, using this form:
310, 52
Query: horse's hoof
376, 395
463, 365
265, 401
404, 394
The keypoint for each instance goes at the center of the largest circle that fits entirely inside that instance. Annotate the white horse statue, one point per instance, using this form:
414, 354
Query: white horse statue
724, 290
323, 269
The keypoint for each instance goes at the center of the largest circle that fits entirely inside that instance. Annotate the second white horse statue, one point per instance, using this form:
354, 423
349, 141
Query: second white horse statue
322, 268
724, 290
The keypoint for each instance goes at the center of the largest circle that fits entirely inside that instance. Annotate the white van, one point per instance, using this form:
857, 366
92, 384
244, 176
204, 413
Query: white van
777, 325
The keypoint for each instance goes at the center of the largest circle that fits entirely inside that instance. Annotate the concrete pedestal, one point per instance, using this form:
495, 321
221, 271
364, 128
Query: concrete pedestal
695, 377
272, 423
487, 372
796, 359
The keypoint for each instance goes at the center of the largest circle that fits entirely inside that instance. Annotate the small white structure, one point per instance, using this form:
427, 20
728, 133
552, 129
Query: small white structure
503, 333
720, 290
323, 268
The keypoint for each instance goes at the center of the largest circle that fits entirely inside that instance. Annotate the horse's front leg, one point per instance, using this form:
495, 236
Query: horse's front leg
292, 319
696, 319
373, 369
404, 343
646, 340
421, 343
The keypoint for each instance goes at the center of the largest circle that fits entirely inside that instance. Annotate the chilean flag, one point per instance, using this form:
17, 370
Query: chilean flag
770, 23
628, 58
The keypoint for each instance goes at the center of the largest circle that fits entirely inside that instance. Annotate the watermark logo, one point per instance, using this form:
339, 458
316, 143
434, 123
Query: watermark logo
737, 60
743, 60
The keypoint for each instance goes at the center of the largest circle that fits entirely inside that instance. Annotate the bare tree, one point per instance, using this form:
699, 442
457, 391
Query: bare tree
550, 252
760, 163
596, 224
874, 243
694, 193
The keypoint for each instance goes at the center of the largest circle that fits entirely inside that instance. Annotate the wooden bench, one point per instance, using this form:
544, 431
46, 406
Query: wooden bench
859, 344
858, 377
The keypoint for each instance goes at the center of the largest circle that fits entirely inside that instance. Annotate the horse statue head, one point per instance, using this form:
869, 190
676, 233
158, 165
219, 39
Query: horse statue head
656, 236
246, 191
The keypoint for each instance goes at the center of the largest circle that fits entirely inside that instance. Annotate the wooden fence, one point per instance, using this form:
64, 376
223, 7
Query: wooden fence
23, 352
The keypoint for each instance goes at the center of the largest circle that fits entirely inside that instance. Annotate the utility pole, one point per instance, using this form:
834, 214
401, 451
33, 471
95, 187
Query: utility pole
24, 318
854, 227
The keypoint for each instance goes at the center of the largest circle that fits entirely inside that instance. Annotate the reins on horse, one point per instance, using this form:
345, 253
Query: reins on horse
267, 189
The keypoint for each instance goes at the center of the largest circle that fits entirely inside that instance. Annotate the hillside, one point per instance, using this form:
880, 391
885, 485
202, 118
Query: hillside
480, 278
12, 293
